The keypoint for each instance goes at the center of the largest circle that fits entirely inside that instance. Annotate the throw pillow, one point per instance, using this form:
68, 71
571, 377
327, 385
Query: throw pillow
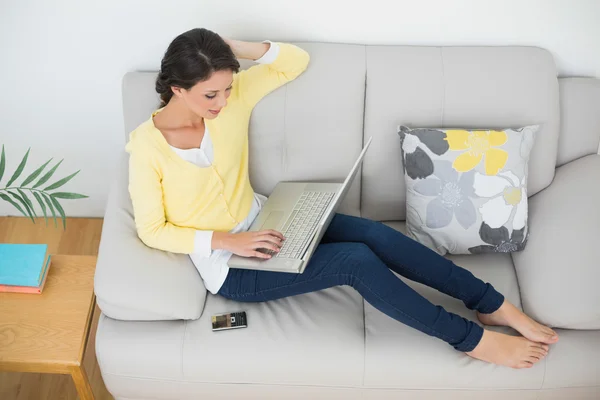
467, 188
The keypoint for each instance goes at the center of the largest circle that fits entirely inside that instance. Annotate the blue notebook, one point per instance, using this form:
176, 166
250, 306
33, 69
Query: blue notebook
23, 264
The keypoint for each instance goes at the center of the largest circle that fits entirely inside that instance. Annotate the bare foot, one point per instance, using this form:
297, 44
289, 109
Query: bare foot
509, 351
509, 315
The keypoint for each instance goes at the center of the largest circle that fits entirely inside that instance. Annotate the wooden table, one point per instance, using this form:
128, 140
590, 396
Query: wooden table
48, 332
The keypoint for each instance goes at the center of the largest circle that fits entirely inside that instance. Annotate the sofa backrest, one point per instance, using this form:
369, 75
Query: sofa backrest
579, 118
461, 87
314, 127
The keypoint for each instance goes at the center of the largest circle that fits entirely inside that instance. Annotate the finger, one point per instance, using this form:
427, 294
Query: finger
261, 255
270, 232
270, 239
266, 245
275, 233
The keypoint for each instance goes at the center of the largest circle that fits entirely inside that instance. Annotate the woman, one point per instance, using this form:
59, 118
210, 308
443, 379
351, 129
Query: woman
191, 194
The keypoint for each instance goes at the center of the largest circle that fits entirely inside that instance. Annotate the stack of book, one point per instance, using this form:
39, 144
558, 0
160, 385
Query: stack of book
23, 267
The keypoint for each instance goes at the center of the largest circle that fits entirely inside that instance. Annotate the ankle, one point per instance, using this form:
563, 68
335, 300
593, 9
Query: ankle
503, 309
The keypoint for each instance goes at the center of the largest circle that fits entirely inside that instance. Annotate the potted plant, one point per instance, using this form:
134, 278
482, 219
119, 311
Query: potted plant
32, 187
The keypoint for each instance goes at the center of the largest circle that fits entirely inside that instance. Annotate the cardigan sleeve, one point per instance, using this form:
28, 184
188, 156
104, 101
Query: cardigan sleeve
251, 85
149, 213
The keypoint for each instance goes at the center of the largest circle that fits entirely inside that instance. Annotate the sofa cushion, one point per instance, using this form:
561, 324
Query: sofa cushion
466, 189
315, 339
312, 346
579, 118
449, 87
401, 357
134, 281
574, 362
559, 269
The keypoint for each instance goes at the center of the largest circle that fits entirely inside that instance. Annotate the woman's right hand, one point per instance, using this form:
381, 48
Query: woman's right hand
246, 244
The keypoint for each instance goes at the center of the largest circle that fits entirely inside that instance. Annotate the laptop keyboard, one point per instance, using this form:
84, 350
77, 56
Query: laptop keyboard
305, 218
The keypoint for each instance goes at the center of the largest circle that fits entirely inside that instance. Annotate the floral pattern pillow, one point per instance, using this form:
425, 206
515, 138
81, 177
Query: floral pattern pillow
467, 189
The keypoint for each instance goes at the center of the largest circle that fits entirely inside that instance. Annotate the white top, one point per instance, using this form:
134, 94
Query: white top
212, 264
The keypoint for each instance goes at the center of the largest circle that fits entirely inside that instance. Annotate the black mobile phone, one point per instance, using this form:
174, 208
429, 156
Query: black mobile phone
231, 320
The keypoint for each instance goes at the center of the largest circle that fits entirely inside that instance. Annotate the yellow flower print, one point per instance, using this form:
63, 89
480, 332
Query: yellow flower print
478, 144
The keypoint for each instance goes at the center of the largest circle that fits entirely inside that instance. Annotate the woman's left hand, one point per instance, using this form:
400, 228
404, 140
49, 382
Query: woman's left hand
247, 50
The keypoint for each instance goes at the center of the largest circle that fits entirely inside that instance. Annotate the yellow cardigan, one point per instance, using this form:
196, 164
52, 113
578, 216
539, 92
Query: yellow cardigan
173, 198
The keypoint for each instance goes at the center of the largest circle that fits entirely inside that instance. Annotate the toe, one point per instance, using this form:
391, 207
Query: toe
549, 333
542, 347
546, 338
538, 352
533, 359
538, 355
551, 338
524, 364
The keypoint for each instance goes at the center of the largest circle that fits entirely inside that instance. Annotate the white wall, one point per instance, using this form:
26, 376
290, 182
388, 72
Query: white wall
61, 61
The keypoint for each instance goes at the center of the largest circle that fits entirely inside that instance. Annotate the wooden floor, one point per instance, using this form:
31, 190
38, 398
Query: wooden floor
82, 236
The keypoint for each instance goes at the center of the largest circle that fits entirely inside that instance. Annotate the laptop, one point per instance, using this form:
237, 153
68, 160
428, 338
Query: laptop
301, 211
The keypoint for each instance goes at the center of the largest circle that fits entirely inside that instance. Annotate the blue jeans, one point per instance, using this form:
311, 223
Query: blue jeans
360, 253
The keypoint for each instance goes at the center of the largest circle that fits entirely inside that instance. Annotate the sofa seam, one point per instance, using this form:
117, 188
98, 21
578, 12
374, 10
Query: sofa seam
443, 86
364, 374
545, 370
360, 198
284, 150
340, 387
185, 324
98, 343
364, 119
163, 317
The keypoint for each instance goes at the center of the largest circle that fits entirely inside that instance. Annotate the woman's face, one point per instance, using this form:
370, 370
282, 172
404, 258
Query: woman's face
207, 98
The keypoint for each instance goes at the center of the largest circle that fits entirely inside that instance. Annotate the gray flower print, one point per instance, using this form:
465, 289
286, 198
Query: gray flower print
451, 196
499, 241
417, 163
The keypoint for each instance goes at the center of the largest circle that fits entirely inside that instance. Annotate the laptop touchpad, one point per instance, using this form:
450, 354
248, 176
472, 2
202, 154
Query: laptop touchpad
272, 221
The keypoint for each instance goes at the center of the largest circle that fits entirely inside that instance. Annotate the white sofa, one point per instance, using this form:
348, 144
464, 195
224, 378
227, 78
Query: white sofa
154, 339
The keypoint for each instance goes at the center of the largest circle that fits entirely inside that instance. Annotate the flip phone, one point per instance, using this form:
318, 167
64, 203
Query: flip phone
232, 320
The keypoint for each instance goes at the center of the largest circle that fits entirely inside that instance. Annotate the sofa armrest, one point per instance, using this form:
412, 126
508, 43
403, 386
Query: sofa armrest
579, 118
559, 269
134, 281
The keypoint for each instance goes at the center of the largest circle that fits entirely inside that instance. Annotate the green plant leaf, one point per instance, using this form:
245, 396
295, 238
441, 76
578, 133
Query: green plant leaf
60, 210
42, 205
18, 207
61, 182
34, 174
47, 175
23, 203
2, 163
51, 207
29, 203
19, 168
65, 195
